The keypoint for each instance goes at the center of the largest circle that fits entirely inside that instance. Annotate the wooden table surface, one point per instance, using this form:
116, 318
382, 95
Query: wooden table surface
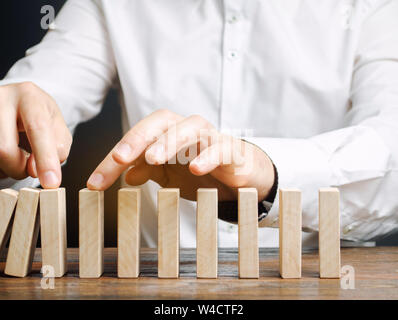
376, 278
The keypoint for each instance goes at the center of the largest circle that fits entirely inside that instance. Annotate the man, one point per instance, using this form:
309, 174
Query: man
313, 84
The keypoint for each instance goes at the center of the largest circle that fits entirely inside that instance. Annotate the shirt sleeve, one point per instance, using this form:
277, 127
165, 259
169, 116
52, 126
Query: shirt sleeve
73, 63
360, 159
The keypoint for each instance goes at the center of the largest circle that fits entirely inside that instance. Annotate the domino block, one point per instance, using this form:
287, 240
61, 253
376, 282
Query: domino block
248, 233
206, 233
53, 229
24, 235
329, 233
8, 200
128, 236
168, 233
290, 233
91, 233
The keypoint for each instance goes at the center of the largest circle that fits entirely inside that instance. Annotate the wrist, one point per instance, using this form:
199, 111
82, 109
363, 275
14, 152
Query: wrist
265, 175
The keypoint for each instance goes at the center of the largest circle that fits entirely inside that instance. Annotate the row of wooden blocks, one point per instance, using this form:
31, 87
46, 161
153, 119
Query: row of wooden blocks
51, 219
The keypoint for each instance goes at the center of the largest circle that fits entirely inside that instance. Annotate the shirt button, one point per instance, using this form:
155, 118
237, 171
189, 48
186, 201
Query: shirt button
233, 18
232, 55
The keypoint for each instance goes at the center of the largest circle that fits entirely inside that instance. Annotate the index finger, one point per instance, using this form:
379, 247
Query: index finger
38, 125
132, 145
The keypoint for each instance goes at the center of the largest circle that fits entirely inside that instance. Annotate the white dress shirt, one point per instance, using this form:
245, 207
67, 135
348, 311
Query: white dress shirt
315, 83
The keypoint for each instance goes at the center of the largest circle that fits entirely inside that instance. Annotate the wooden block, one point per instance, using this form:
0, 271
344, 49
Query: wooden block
91, 233
168, 233
206, 233
329, 233
248, 233
290, 233
24, 235
128, 234
53, 229
8, 200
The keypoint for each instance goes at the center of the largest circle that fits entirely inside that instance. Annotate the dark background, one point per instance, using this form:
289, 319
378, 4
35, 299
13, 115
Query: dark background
19, 30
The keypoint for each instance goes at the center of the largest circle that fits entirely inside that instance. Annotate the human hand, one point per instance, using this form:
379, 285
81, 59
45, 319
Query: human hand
34, 139
187, 153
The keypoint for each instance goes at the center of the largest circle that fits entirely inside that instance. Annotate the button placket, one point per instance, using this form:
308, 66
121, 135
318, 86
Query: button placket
232, 54
233, 17
232, 44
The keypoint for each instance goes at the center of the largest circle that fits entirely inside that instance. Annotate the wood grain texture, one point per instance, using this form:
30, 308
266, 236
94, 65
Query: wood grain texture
248, 233
290, 233
24, 234
376, 277
128, 232
168, 233
53, 229
8, 200
329, 233
91, 233
206, 233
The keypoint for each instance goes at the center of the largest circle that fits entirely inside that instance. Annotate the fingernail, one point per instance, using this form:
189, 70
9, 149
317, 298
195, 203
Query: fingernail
199, 161
96, 180
157, 152
195, 163
123, 150
50, 179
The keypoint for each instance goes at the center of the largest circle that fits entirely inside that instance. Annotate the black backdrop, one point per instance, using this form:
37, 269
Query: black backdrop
19, 30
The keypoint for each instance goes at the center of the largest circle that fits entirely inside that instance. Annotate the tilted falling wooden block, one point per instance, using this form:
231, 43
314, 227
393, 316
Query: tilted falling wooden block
128, 235
329, 233
24, 234
91, 233
248, 233
206, 233
168, 233
290, 233
8, 200
53, 229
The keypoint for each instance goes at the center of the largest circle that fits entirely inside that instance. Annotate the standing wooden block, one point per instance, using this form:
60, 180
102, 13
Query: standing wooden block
8, 200
206, 233
53, 229
168, 233
329, 233
128, 235
24, 235
290, 233
248, 233
91, 233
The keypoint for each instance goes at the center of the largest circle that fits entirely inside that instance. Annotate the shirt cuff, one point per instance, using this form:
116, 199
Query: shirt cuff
228, 210
301, 164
